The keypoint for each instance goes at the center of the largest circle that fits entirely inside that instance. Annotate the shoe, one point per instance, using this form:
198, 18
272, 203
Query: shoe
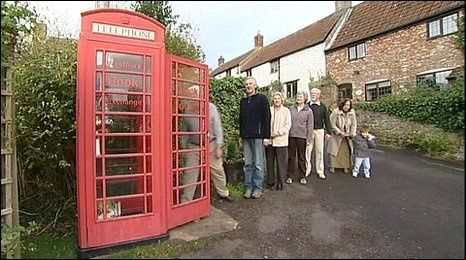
227, 198
247, 194
303, 181
367, 176
322, 176
256, 194
346, 170
355, 175
289, 180
279, 187
332, 170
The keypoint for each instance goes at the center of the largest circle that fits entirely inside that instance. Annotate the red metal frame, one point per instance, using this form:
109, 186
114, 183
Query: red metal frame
124, 133
178, 76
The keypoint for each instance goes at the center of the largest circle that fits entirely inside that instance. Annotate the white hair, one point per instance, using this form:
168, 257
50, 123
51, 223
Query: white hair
315, 90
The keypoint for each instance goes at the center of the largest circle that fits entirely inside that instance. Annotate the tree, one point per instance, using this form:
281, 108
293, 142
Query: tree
17, 23
179, 37
159, 10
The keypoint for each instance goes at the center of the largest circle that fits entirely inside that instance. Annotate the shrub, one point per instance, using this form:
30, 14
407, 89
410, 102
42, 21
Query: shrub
226, 94
443, 108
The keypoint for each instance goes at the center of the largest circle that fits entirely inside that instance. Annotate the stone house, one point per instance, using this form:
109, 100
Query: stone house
372, 49
386, 46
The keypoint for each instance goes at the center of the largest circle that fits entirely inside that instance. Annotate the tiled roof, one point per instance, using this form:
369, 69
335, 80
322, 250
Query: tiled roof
230, 64
304, 38
372, 18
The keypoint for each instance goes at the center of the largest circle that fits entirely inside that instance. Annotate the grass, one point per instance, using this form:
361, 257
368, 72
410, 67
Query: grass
48, 246
236, 190
160, 250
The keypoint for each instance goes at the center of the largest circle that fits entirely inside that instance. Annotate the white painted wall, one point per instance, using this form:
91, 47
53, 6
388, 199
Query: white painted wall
263, 76
235, 72
303, 64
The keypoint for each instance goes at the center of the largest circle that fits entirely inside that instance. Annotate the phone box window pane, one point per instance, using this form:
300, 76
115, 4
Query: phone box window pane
123, 144
124, 62
123, 166
123, 103
124, 124
123, 82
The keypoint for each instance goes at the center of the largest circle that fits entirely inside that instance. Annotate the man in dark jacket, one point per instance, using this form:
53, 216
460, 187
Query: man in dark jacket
254, 128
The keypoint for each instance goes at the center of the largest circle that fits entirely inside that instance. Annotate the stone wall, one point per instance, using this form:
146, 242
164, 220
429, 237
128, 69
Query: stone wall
392, 130
397, 56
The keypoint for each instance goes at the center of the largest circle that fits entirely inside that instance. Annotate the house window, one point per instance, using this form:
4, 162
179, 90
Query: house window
443, 26
437, 80
273, 66
291, 89
378, 89
345, 91
357, 51
248, 73
228, 73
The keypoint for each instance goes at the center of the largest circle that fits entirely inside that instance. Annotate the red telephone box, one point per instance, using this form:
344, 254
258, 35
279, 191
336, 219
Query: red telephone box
142, 148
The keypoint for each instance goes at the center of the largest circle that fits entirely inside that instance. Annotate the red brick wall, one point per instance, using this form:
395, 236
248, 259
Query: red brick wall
397, 56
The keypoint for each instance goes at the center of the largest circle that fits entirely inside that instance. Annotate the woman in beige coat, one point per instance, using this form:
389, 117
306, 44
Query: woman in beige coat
276, 148
340, 147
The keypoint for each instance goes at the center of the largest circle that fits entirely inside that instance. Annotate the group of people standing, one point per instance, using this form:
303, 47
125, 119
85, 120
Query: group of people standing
289, 136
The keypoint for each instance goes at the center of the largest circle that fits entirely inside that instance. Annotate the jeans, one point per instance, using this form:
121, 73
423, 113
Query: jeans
253, 163
365, 162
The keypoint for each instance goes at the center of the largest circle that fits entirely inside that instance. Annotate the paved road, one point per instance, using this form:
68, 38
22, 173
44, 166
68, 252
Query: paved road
413, 207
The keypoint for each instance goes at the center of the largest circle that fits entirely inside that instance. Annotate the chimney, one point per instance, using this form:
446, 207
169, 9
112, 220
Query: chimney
102, 4
258, 40
221, 60
342, 5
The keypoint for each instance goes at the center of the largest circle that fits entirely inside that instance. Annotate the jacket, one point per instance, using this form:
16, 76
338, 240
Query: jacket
362, 145
254, 117
341, 122
302, 123
280, 122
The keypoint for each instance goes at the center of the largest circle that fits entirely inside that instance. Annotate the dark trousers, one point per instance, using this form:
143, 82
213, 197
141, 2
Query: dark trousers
280, 155
296, 146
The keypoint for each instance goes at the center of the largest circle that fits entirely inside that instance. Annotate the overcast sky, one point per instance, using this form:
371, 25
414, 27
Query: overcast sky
222, 27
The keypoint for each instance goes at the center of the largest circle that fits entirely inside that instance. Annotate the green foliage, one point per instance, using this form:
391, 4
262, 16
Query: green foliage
236, 190
160, 250
443, 108
12, 236
328, 87
159, 10
460, 35
17, 23
180, 40
48, 246
45, 88
226, 94
179, 37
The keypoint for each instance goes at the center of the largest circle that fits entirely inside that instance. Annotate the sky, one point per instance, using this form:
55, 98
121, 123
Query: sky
224, 28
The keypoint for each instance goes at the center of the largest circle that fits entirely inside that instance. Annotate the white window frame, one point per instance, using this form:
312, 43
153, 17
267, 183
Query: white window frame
380, 87
357, 51
444, 25
273, 66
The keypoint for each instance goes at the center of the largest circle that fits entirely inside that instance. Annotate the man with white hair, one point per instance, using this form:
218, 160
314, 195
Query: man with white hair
254, 125
322, 130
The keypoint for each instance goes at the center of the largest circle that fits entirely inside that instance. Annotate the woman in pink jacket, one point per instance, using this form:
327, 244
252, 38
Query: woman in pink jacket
276, 147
